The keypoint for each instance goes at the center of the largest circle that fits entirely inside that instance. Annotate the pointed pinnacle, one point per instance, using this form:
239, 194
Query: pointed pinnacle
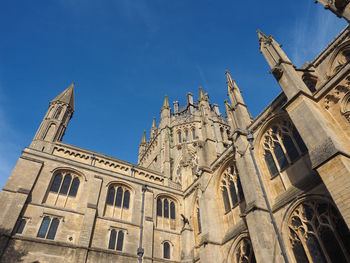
201, 95
67, 96
144, 140
154, 123
229, 81
261, 35
166, 103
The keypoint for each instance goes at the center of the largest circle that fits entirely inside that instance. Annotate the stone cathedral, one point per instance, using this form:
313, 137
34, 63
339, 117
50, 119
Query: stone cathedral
207, 188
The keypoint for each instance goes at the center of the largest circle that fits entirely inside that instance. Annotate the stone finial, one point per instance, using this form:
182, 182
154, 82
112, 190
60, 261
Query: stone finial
202, 96
154, 123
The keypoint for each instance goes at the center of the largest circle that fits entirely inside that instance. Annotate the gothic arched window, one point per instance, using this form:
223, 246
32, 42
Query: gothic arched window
166, 250
116, 240
282, 146
63, 189
244, 252
179, 136
118, 201
231, 188
166, 212
317, 233
58, 112
193, 133
48, 228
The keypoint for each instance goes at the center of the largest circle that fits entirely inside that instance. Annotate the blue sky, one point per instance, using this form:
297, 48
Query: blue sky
125, 55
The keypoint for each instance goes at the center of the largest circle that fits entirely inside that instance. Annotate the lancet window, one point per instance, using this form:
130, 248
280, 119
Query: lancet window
244, 252
282, 146
48, 227
116, 240
318, 234
64, 189
231, 188
166, 250
165, 205
118, 196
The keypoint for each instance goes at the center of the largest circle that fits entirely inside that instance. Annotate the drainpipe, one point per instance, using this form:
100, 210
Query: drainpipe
140, 250
250, 139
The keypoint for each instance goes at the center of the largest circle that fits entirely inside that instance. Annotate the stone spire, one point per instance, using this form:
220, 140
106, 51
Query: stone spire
166, 103
281, 67
143, 140
153, 128
66, 97
233, 91
55, 122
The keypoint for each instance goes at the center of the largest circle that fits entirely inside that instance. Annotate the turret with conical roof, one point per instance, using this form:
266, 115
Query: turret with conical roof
55, 122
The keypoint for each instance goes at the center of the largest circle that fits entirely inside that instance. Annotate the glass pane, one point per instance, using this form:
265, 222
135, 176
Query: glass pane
159, 207
166, 250
179, 134
240, 190
110, 196
55, 186
58, 112
75, 186
21, 225
270, 163
172, 210
290, 148
194, 134
199, 221
112, 239
118, 200
299, 141
65, 185
226, 200
166, 208
126, 199
53, 229
279, 154
233, 193
44, 226
315, 249
120, 240
332, 245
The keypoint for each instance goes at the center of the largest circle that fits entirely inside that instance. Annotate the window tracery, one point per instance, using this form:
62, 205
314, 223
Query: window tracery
244, 252
317, 233
118, 201
63, 189
282, 146
231, 188
166, 212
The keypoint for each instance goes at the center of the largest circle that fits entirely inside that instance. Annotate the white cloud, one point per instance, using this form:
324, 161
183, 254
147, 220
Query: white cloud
312, 32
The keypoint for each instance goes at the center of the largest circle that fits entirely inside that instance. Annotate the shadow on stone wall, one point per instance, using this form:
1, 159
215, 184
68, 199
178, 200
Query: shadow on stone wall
8, 252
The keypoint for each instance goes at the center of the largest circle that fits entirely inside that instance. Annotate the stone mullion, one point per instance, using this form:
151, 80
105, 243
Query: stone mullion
70, 185
280, 139
59, 189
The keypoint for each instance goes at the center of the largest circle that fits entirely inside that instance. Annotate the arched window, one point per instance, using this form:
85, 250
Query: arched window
179, 136
48, 228
159, 207
317, 233
193, 133
119, 198
166, 213
231, 188
116, 240
166, 208
244, 252
166, 250
282, 146
58, 113
186, 135
172, 210
64, 187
